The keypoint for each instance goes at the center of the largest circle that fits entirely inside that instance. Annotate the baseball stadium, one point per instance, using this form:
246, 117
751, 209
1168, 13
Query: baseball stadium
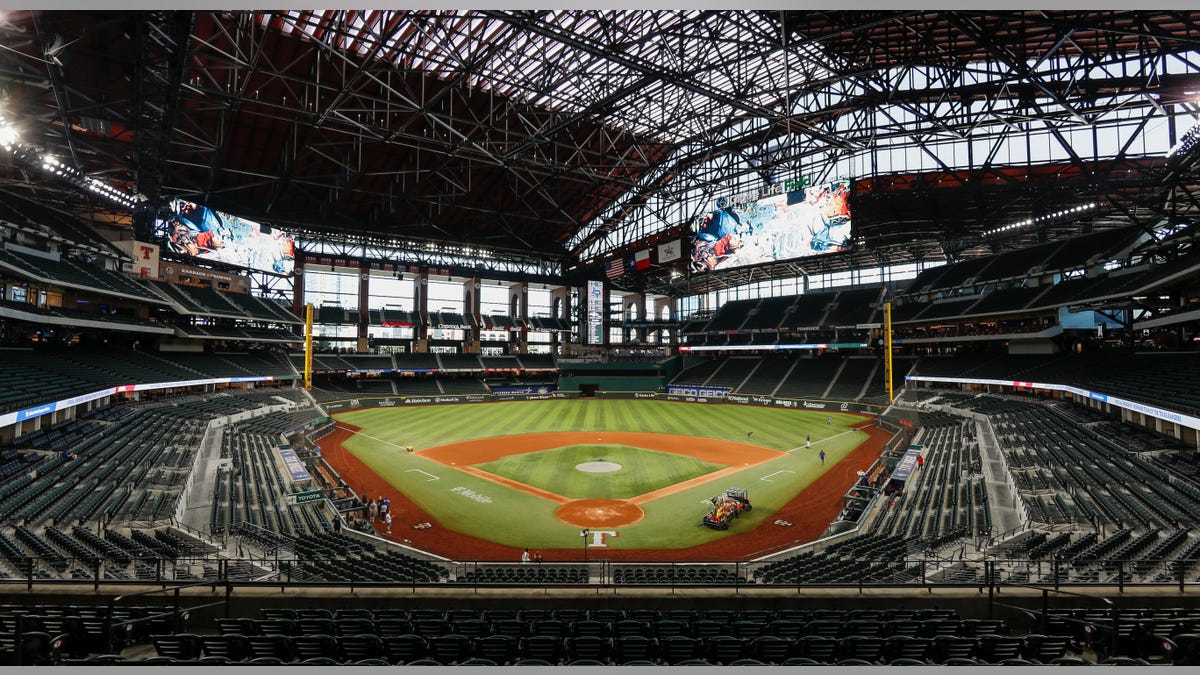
591, 337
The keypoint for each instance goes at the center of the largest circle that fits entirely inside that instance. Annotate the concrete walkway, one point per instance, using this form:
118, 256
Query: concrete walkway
1006, 514
198, 511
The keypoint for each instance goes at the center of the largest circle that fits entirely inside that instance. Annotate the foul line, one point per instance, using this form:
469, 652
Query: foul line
431, 476
822, 440
768, 476
377, 440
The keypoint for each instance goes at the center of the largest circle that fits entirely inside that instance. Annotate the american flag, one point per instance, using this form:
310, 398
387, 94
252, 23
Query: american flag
614, 268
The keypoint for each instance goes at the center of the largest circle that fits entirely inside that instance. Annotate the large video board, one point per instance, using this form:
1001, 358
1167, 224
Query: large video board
798, 224
207, 234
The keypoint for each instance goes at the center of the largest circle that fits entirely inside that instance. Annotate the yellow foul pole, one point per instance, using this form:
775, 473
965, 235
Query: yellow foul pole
308, 320
887, 348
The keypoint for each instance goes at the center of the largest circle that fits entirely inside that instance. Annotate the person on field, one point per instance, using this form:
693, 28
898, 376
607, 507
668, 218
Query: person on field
822, 458
372, 509
387, 522
525, 556
808, 441
828, 419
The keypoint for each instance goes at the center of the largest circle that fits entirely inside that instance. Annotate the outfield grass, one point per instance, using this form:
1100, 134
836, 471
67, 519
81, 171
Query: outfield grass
427, 426
641, 471
670, 522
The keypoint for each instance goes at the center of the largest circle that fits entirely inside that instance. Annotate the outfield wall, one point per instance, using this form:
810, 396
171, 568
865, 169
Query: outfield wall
767, 401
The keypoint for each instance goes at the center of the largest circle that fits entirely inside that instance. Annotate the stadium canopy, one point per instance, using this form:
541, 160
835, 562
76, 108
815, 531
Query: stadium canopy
573, 134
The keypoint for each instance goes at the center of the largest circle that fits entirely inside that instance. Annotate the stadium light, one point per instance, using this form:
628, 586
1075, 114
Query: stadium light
8, 135
1037, 219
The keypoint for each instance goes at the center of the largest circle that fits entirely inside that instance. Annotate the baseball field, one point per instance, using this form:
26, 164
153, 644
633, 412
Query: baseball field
533, 473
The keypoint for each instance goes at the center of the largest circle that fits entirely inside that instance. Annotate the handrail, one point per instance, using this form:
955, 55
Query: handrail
108, 621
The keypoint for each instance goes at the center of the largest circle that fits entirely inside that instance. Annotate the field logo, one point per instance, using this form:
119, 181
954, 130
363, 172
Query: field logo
599, 537
471, 494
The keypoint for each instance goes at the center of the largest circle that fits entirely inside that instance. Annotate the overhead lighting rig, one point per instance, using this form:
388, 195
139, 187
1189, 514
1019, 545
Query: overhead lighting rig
10, 141
1061, 213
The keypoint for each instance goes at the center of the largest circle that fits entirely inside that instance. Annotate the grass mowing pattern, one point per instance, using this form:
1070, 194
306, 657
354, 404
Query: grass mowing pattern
642, 470
670, 522
427, 426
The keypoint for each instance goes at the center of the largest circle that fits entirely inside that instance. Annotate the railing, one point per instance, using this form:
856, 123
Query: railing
176, 613
822, 570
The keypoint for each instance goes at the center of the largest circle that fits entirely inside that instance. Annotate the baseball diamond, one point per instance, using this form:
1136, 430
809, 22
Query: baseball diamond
673, 456
579, 337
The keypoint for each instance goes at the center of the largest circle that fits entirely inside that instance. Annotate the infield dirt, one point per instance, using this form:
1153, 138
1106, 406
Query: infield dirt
809, 513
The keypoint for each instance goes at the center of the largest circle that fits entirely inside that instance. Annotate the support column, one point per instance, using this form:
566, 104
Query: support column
560, 308
670, 336
421, 307
298, 287
364, 308
518, 303
638, 300
471, 306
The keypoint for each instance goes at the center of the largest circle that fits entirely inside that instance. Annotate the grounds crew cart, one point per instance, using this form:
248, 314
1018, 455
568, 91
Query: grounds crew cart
726, 507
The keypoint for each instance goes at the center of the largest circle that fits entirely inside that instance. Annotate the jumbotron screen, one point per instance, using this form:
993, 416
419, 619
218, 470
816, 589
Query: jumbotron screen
207, 234
798, 224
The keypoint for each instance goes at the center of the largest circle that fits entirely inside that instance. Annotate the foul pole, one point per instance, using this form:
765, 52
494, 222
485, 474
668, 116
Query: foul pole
308, 320
887, 348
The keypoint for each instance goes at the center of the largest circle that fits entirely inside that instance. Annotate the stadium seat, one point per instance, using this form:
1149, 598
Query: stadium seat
451, 648
588, 647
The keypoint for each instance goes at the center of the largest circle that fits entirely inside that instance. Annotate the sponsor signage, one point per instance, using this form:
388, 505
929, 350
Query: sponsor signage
306, 497
539, 389
904, 469
1168, 415
774, 348
712, 392
294, 466
47, 408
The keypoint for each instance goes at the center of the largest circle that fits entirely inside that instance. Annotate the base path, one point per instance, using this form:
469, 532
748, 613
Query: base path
739, 455
811, 511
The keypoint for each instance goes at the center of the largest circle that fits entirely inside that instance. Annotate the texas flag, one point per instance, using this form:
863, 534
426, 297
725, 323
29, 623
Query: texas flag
641, 260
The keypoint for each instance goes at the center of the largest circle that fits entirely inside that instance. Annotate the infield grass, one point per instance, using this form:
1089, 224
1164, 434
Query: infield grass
641, 471
670, 522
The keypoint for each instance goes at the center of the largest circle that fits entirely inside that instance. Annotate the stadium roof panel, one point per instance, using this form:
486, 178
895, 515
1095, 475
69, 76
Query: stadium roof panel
577, 133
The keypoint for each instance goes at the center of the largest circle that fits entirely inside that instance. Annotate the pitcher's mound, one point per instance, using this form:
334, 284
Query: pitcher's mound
600, 512
598, 466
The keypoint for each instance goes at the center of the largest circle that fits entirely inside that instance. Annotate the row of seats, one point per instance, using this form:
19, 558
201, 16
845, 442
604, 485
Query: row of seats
454, 649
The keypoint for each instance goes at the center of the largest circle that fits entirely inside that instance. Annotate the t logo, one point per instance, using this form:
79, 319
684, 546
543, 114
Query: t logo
146, 251
599, 537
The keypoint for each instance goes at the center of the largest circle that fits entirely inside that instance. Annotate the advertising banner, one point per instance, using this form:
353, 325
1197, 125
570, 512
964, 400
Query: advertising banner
1168, 415
529, 389
294, 466
47, 408
688, 390
903, 470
